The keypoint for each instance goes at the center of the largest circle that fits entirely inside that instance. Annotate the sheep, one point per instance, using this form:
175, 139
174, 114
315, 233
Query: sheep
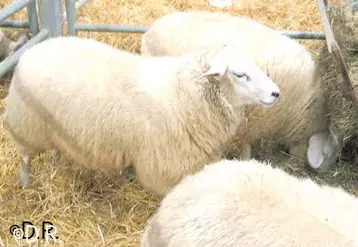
249, 203
298, 120
111, 109
7, 46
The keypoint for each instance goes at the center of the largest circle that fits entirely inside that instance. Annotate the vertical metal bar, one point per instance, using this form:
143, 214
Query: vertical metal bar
330, 40
78, 5
51, 16
71, 17
33, 18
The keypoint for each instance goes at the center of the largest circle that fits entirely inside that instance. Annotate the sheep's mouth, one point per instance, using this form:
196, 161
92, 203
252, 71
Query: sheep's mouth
267, 104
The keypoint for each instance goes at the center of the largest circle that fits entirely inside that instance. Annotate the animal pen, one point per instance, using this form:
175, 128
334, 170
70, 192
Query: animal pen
45, 21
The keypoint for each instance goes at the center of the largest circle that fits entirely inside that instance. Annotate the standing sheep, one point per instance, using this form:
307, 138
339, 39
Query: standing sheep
7, 46
298, 120
107, 108
251, 204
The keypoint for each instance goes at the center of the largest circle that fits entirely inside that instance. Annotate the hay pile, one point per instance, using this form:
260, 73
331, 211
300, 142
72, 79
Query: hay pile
90, 209
343, 115
285, 14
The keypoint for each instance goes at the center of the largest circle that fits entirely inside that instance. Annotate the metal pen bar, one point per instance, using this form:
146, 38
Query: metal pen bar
12, 9
111, 28
302, 34
326, 26
51, 16
11, 61
143, 29
15, 24
78, 5
33, 18
71, 17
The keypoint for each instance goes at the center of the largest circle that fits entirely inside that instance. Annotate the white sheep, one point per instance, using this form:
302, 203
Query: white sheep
251, 204
107, 108
7, 46
298, 118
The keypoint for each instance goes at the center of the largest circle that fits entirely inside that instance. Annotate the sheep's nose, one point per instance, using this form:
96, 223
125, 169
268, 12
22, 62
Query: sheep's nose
275, 94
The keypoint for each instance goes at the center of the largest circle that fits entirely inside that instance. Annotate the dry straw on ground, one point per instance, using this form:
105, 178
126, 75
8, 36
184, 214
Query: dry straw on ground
90, 209
343, 114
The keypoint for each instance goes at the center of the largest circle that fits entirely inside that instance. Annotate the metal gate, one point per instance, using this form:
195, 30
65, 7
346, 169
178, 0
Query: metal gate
45, 19
74, 27
40, 26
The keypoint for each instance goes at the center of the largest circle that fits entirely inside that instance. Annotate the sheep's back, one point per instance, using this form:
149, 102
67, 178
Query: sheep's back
251, 204
84, 93
288, 63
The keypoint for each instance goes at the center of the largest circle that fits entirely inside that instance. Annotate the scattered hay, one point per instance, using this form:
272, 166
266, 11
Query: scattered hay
90, 209
293, 15
344, 175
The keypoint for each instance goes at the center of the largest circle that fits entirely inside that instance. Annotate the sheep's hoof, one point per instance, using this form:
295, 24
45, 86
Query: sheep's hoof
322, 150
25, 179
246, 151
54, 157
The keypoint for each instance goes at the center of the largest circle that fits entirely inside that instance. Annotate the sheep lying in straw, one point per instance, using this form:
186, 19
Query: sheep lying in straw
299, 114
250, 203
7, 46
166, 116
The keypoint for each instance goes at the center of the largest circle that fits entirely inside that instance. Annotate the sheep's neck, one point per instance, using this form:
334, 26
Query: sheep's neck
208, 118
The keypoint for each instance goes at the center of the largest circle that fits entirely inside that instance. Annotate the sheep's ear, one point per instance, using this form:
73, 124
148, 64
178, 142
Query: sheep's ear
216, 70
218, 64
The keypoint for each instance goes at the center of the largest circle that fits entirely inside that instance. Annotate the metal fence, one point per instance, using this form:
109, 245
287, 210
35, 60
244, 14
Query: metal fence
40, 26
45, 19
74, 27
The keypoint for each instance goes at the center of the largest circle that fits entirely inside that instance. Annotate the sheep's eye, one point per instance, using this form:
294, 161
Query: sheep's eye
241, 75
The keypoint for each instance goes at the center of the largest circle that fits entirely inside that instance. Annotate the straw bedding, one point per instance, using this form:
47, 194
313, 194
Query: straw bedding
91, 209
343, 114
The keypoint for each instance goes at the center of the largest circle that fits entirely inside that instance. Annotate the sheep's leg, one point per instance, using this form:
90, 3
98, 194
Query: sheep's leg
246, 151
54, 157
25, 169
299, 149
22, 40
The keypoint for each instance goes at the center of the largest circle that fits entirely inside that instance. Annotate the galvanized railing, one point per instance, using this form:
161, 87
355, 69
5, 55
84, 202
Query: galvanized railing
43, 21
74, 27
32, 24
48, 23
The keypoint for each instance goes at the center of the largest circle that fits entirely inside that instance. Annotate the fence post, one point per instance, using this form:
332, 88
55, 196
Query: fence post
33, 18
71, 17
51, 16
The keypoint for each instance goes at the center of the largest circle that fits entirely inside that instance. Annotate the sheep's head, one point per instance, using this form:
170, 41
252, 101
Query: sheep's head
250, 84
